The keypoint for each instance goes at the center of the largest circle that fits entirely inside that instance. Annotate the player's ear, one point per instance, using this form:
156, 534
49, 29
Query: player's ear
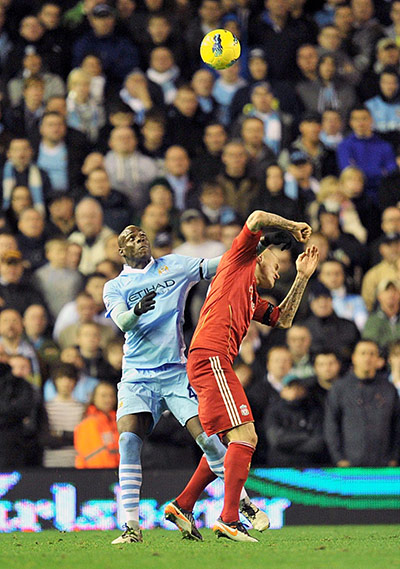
259, 259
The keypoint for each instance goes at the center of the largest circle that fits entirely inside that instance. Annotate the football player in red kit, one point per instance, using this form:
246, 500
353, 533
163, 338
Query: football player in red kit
231, 304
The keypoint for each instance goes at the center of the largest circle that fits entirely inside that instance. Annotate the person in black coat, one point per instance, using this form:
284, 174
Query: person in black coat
294, 428
362, 418
15, 404
273, 198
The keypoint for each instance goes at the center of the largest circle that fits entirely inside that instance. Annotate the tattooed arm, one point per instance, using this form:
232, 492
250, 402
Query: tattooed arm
262, 220
306, 264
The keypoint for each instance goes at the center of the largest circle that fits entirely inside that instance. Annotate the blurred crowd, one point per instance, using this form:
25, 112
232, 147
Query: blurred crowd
108, 117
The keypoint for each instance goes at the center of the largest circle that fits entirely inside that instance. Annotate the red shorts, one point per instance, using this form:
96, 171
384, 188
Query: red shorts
223, 404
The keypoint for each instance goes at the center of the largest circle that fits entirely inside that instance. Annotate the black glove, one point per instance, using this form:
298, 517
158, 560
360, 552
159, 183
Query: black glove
282, 238
147, 303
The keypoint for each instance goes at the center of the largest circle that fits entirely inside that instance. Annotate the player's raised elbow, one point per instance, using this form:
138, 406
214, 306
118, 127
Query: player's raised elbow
255, 220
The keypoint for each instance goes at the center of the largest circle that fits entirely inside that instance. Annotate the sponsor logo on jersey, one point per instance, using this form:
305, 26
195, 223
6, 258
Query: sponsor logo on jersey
244, 410
159, 287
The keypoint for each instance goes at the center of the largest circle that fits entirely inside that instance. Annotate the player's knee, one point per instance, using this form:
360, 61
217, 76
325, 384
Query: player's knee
253, 439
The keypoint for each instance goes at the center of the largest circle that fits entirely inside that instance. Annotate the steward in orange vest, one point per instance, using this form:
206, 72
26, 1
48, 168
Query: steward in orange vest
96, 440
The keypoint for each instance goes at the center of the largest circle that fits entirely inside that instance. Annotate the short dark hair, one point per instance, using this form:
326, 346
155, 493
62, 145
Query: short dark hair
62, 369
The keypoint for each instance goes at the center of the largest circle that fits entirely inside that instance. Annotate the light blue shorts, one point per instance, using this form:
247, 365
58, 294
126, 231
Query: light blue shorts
156, 390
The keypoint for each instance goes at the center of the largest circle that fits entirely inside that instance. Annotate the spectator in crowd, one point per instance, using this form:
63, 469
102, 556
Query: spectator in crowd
8, 242
93, 67
114, 353
212, 204
117, 53
366, 150
240, 186
160, 33
202, 84
154, 219
363, 413
225, 87
162, 244
366, 34
273, 198
298, 340
20, 170
294, 428
300, 184
88, 342
385, 106
260, 154
387, 55
177, 173
32, 66
185, 120
15, 405
129, 171
307, 63
196, 244
13, 342
96, 436
386, 269
331, 128
327, 329
326, 372
264, 393
329, 41
390, 223
161, 194
383, 326
153, 143
14, 292
140, 94
56, 282
31, 237
116, 212
61, 219
20, 200
30, 40
24, 119
208, 164
91, 234
36, 325
64, 414
208, 18
394, 364
164, 73
345, 304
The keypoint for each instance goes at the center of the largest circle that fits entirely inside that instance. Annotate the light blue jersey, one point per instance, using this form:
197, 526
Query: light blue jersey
156, 338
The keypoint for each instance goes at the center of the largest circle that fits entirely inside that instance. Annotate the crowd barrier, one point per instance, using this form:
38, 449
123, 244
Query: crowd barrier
76, 500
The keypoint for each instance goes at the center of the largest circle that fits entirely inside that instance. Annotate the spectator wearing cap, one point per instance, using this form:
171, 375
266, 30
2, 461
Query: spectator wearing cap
383, 324
294, 428
279, 35
323, 160
91, 234
366, 150
277, 125
328, 91
129, 171
240, 186
14, 292
258, 73
117, 53
33, 66
117, 213
362, 414
328, 330
13, 341
208, 164
195, 242
20, 170
366, 34
57, 283
390, 223
325, 16
387, 55
389, 249
346, 305
300, 185
140, 94
385, 107
273, 197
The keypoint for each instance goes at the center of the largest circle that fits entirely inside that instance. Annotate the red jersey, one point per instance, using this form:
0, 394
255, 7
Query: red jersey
233, 301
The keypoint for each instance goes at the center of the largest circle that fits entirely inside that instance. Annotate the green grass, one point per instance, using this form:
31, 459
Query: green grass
327, 547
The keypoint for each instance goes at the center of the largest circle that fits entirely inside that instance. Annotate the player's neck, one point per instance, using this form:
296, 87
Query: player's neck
138, 263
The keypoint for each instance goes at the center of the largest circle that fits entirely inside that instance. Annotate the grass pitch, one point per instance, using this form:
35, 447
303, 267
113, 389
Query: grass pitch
307, 547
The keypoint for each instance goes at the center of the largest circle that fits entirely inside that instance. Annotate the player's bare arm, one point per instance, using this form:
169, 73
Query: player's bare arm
306, 264
259, 220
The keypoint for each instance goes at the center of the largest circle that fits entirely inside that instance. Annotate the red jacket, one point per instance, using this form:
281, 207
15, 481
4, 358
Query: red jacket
96, 440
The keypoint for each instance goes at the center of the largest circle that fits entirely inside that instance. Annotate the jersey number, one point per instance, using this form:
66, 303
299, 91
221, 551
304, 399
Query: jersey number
192, 393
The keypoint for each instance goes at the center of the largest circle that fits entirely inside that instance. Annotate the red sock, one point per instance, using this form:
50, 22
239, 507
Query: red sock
200, 479
237, 464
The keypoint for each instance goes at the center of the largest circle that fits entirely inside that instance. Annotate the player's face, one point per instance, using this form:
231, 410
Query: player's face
133, 243
267, 269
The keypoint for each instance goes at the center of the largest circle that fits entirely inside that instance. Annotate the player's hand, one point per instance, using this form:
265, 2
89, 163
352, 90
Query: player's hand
307, 262
278, 238
301, 232
147, 303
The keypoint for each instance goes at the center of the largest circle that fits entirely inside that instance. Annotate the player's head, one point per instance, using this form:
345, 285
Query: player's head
267, 268
133, 244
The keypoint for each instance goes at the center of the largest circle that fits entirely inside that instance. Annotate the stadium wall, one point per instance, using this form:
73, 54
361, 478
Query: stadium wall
76, 500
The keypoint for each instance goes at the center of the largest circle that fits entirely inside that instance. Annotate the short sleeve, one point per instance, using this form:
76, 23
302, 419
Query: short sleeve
191, 267
244, 246
266, 313
111, 297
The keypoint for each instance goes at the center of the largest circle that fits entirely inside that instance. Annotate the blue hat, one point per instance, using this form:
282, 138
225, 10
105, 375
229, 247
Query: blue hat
298, 157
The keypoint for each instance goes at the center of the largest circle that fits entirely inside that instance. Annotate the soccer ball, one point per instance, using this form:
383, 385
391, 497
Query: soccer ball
220, 49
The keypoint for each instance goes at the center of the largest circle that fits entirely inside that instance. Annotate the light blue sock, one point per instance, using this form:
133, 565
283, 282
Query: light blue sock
130, 476
215, 453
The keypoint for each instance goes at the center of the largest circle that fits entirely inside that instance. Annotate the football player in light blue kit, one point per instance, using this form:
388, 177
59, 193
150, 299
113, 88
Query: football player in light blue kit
147, 301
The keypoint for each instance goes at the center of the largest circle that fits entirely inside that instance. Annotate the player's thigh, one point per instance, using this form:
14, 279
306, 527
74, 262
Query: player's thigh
140, 403
194, 427
245, 433
179, 397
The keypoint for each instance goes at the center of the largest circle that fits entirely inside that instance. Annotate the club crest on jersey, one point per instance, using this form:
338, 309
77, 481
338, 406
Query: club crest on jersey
244, 410
162, 270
